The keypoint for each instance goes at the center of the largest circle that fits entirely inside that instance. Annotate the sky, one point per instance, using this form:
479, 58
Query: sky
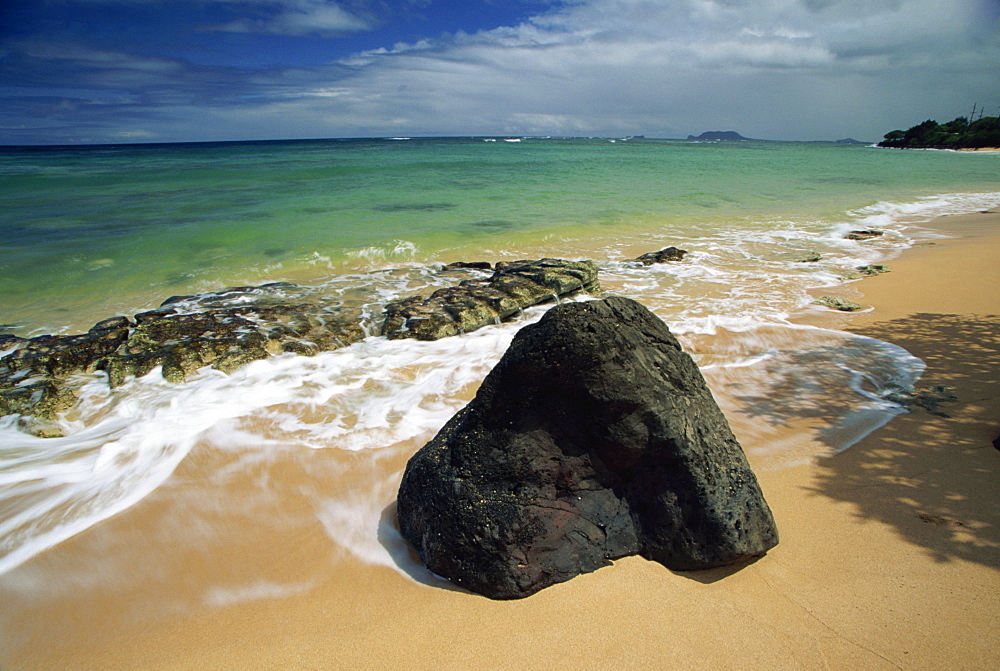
113, 71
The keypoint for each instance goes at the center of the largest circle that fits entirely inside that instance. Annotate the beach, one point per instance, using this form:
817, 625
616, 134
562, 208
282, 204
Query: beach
888, 558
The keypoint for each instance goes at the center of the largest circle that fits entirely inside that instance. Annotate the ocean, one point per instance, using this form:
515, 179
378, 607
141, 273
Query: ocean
152, 476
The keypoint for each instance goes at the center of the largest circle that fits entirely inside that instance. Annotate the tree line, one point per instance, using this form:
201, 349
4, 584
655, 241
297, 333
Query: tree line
960, 133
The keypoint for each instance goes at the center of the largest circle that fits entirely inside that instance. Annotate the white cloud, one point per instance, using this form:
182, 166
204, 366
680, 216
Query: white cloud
771, 68
95, 58
781, 69
300, 17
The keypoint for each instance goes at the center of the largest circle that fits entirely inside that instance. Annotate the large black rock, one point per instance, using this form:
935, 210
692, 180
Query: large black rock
594, 437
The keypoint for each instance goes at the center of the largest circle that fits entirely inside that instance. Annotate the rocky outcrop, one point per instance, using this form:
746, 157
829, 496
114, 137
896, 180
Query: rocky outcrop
224, 330
594, 437
872, 269
865, 271
867, 234
478, 302
230, 328
468, 265
662, 256
841, 304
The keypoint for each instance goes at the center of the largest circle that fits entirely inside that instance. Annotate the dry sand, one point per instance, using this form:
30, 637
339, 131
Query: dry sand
889, 552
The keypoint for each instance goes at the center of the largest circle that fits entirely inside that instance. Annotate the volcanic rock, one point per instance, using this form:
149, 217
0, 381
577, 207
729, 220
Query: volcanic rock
476, 303
873, 269
842, 304
662, 256
224, 330
866, 234
594, 437
468, 265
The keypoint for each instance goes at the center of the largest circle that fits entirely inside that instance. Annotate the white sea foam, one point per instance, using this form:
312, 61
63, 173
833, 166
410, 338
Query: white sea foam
377, 396
127, 441
227, 596
398, 251
923, 210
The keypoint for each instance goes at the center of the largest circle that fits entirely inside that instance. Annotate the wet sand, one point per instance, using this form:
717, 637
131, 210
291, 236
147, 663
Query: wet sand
889, 552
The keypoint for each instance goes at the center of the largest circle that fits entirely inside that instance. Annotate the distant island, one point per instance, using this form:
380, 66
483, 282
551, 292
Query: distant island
957, 134
723, 135
733, 136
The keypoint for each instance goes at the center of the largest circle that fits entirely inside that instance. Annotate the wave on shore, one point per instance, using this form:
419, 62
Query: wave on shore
370, 405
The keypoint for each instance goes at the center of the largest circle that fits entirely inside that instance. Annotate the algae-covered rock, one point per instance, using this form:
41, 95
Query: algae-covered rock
224, 330
476, 303
866, 234
230, 328
873, 269
842, 304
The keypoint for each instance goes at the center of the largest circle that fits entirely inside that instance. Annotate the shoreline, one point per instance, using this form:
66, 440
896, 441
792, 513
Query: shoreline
888, 555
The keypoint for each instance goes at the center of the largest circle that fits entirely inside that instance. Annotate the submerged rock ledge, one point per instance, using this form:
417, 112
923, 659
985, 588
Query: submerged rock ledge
230, 328
477, 303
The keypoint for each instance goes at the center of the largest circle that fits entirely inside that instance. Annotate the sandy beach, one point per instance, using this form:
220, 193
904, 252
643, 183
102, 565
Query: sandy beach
889, 554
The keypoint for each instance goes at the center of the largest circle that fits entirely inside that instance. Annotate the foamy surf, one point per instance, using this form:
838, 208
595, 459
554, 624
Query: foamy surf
730, 302
122, 444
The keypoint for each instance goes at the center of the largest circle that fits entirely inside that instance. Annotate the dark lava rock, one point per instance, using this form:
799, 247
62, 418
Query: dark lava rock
662, 256
468, 265
867, 234
477, 303
594, 437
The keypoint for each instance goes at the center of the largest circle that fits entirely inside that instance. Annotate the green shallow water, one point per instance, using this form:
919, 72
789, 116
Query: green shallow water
88, 230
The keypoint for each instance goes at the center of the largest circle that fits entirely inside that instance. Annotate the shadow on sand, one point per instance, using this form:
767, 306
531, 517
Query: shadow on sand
933, 476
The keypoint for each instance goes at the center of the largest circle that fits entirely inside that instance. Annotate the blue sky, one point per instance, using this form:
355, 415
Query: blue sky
95, 71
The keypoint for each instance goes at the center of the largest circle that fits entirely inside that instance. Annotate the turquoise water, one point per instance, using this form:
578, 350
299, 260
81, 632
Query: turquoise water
93, 230
89, 232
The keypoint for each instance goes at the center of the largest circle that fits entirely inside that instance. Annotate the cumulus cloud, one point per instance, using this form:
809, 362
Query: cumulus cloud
773, 68
781, 69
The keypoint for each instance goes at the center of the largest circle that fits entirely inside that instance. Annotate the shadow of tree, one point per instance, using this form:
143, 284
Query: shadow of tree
934, 477
831, 386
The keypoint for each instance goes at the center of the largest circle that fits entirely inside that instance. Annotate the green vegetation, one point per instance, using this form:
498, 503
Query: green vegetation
958, 134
